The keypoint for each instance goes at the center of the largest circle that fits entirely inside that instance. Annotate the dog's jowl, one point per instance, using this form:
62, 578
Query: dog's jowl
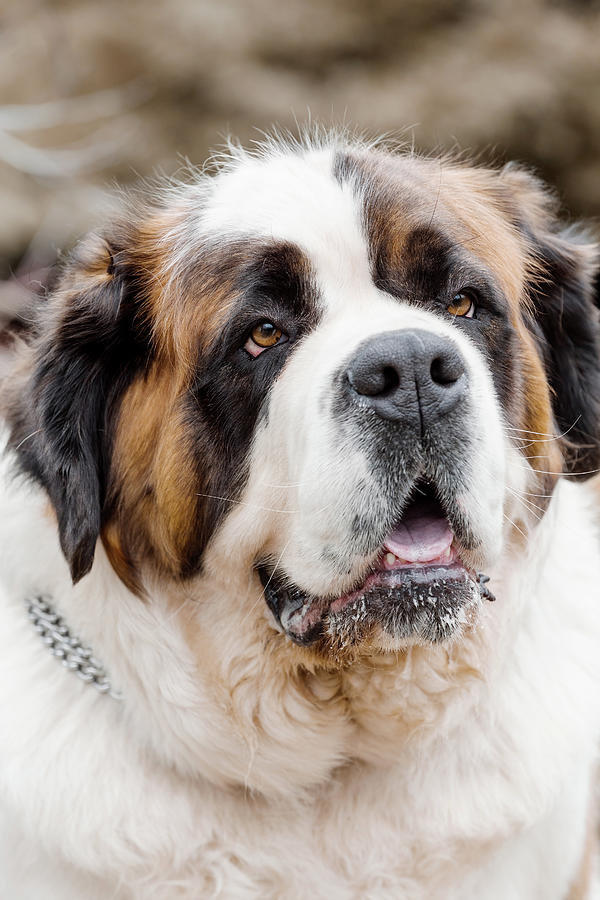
275, 441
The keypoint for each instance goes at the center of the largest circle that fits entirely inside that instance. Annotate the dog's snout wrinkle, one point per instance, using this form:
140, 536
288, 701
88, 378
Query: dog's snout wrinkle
412, 377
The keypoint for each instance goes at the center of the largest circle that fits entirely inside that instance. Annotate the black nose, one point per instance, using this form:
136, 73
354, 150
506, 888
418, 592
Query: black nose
411, 377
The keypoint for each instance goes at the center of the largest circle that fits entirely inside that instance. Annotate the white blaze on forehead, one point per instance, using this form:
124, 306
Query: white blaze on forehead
296, 198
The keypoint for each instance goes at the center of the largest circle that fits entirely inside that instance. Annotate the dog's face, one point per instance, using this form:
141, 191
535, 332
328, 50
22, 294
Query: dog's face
351, 376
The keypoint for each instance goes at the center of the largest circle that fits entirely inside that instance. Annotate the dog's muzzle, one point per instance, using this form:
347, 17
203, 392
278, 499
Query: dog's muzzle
403, 399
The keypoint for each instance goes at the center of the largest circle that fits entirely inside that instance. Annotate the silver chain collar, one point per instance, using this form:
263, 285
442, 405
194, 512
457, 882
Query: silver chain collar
67, 648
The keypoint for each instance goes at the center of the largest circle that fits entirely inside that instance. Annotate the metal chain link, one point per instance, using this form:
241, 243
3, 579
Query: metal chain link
74, 655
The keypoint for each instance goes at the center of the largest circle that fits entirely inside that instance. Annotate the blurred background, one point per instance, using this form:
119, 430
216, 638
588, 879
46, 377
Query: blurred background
99, 92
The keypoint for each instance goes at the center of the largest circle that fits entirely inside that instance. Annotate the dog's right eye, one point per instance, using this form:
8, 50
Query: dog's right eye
462, 306
264, 336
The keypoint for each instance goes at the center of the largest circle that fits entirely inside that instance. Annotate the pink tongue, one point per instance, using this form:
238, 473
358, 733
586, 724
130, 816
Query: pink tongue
421, 536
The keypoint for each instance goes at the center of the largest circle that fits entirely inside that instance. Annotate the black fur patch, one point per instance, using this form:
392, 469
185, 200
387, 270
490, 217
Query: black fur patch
565, 322
230, 391
89, 346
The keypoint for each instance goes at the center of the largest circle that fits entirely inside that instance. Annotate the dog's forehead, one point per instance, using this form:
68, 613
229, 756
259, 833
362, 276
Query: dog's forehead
297, 199
286, 196
347, 209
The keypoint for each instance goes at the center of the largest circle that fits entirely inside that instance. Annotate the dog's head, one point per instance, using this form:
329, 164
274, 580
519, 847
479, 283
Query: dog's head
350, 375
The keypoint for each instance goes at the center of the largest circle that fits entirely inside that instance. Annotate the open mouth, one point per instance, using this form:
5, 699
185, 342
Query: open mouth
417, 587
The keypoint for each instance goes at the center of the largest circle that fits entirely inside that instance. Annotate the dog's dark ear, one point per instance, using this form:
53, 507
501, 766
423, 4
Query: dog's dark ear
87, 341
564, 317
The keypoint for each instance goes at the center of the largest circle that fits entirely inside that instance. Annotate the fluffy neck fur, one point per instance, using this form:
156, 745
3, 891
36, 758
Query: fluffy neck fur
400, 774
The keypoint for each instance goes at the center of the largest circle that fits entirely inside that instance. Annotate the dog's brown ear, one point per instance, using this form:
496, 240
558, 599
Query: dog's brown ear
88, 343
563, 315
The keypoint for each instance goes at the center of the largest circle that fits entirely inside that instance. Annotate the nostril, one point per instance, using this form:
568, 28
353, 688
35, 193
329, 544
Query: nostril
445, 369
391, 380
374, 380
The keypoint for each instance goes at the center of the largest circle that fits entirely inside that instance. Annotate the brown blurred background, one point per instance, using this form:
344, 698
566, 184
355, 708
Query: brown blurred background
107, 90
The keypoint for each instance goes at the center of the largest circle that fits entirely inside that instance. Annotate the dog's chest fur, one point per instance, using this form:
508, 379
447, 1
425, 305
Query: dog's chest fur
448, 774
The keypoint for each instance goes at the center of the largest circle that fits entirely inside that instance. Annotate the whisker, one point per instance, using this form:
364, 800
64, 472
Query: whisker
535, 494
262, 593
331, 465
248, 503
179, 608
508, 519
33, 433
528, 503
544, 434
545, 472
550, 437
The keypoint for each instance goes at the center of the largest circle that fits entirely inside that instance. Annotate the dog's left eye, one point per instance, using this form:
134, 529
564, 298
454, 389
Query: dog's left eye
264, 336
462, 305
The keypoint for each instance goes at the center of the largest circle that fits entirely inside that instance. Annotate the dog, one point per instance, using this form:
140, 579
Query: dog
299, 568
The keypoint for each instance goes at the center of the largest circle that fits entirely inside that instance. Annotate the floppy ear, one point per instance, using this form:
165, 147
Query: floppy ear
564, 317
88, 344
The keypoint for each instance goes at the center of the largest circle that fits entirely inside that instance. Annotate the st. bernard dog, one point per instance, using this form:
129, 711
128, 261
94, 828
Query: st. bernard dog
293, 487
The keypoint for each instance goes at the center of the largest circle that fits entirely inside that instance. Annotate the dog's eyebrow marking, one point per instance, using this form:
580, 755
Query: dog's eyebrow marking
417, 266
407, 252
281, 270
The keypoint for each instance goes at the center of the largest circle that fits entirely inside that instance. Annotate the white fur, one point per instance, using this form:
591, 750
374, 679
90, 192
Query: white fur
464, 766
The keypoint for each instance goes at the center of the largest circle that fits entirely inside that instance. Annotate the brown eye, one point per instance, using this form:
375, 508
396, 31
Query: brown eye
263, 337
462, 305
266, 334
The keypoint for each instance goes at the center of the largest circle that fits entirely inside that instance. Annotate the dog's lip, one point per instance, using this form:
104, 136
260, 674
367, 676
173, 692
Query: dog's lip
419, 549
385, 575
303, 616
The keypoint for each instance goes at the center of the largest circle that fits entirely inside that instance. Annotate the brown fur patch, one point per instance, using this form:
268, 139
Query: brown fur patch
161, 497
153, 488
